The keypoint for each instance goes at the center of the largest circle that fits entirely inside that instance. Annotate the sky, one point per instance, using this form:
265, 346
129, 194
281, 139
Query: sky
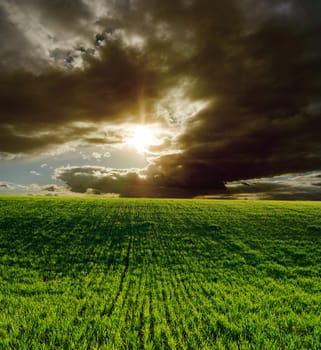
161, 98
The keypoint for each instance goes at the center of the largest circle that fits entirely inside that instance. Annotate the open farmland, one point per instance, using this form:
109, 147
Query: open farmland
159, 274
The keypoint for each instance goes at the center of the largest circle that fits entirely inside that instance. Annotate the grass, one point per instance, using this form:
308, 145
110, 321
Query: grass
159, 274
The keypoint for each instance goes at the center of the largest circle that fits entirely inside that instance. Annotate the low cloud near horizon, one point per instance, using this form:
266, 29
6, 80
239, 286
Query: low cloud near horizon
100, 181
287, 187
233, 86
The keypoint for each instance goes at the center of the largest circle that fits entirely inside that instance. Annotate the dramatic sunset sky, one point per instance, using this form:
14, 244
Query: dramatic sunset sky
161, 97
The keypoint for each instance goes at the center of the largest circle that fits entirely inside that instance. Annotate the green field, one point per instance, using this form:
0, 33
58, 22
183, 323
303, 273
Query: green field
159, 274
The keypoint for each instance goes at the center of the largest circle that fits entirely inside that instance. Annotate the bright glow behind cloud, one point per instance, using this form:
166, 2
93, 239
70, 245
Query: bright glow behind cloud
142, 137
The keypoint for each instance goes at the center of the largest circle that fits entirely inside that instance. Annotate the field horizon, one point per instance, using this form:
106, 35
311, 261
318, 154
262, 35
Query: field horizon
120, 273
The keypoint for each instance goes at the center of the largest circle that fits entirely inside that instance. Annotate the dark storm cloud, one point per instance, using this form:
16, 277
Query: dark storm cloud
107, 137
261, 76
32, 31
100, 179
107, 91
27, 138
15, 51
123, 182
66, 13
10, 142
299, 187
262, 84
309, 11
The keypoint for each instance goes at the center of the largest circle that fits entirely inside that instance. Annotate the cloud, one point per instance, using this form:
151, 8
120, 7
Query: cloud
52, 188
107, 92
44, 33
101, 179
287, 187
46, 190
34, 189
9, 187
257, 65
32, 139
125, 182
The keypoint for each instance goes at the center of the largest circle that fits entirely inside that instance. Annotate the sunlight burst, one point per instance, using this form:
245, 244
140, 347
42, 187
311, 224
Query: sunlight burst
143, 137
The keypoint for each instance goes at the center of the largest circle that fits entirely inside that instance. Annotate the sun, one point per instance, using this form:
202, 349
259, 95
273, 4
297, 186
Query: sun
143, 136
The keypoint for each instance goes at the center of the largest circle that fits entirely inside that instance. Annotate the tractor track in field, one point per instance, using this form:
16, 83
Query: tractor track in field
122, 278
